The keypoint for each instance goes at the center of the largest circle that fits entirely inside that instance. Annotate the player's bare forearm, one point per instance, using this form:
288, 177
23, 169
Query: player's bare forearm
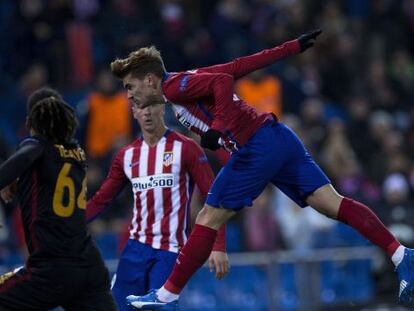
109, 190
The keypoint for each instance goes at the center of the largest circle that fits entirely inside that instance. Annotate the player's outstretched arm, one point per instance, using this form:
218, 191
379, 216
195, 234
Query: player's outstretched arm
308, 39
30, 150
244, 65
108, 191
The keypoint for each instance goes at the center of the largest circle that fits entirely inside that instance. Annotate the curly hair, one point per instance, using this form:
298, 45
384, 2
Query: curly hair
53, 118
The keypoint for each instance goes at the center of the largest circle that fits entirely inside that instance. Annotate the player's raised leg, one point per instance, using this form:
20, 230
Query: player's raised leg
193, 255
359, 216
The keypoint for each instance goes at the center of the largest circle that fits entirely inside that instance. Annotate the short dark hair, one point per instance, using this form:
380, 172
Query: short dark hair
51, 117
40, 94
139, 63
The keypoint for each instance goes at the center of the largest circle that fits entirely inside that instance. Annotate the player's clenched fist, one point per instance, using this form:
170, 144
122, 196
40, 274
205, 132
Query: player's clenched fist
210, 139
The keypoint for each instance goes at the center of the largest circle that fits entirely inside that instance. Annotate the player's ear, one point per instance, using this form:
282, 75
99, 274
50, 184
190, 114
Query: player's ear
148, 79
151, 80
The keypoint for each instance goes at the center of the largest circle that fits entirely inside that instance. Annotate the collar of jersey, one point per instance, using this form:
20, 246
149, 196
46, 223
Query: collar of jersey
167, 132
165, 76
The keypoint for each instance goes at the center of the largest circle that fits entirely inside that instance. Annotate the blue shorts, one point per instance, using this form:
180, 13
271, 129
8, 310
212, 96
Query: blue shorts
140, 269
274, 154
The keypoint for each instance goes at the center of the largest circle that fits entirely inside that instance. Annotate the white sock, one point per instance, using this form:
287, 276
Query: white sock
166, 296
398, 255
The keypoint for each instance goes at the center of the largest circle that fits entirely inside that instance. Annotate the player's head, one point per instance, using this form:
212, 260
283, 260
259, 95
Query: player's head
150, 118
52, 118
43, 93
141, 73
40, 94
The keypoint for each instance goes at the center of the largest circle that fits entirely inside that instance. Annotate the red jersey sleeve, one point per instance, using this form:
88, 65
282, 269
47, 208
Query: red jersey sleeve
198, 167
191, 86
242, 66
218, 81
110, 188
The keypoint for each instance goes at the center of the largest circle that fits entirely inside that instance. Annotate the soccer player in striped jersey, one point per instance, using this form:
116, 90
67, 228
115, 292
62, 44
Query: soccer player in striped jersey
163, 167
264, 151
64, 267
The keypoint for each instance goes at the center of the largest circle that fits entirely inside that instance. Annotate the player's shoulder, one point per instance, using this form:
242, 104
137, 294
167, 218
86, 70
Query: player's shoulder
33, 140
189, 144
171, 76
136, 143
173, 135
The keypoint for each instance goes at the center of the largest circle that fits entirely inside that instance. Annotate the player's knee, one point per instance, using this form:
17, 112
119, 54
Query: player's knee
207, 218
326, 201
213, 217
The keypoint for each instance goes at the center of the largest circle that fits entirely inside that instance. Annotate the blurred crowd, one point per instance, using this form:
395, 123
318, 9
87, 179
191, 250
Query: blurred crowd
350, 98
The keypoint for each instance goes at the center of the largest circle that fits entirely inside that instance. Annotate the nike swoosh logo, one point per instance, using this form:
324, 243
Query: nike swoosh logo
134, 164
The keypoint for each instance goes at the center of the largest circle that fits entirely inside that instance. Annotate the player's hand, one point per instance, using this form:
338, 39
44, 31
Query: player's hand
210, 139
8, 192
307, 40
219, 261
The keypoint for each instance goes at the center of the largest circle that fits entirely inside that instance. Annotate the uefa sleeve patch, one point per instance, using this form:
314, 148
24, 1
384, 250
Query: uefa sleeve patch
184, 83
202, 159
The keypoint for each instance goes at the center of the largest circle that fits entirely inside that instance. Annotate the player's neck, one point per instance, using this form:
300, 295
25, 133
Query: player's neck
152, 138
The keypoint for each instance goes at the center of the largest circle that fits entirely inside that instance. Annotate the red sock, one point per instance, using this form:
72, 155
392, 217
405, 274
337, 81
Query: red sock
362, 219
193, 255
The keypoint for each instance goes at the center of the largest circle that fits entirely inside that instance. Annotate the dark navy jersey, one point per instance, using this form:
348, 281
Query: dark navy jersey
52, 193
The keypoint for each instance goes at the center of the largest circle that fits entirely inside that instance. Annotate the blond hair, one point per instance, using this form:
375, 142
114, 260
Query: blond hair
139, 63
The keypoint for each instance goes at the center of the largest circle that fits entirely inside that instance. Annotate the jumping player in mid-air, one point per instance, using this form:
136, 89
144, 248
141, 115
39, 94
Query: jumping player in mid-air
64, 267
264, 151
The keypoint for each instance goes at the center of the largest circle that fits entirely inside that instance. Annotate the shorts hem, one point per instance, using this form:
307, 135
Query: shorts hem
307, 194
233, 205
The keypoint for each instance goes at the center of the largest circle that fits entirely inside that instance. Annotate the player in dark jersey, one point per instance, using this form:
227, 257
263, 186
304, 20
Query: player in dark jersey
264, 151
64, 267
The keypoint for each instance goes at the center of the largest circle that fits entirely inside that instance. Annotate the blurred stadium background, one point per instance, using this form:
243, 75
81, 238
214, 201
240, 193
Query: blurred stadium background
350, 99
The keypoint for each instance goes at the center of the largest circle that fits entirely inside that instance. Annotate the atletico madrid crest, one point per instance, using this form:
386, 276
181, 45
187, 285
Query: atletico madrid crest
167, 160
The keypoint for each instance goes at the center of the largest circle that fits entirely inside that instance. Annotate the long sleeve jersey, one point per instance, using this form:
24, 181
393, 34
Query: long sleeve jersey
162, 178
51, 192
204, 98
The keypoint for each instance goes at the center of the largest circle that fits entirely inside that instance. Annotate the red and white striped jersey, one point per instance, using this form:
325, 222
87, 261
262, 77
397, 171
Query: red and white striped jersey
162, 178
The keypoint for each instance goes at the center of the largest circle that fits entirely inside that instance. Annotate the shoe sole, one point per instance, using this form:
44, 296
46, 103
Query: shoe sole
146, 305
